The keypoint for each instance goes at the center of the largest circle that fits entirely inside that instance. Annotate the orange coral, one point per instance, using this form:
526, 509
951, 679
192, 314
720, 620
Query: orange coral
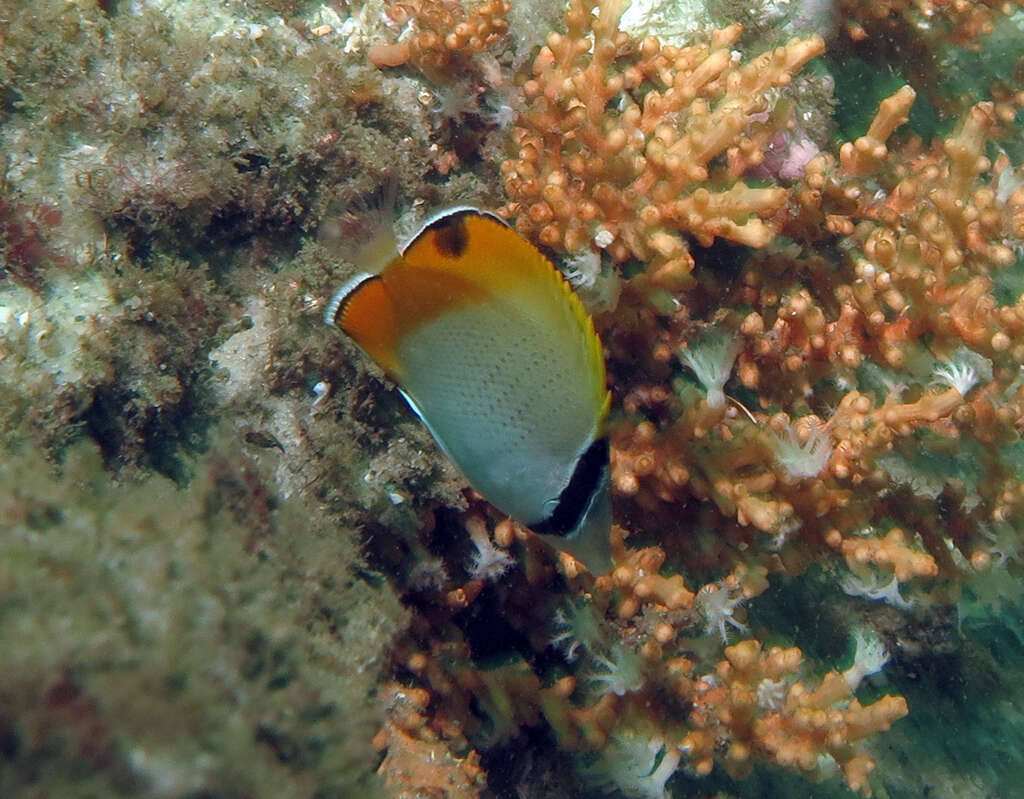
962, 22
891, 553
597, 167
925, 233
856, 354
636, 577
927, 241
753, 704
418, 762
441, 34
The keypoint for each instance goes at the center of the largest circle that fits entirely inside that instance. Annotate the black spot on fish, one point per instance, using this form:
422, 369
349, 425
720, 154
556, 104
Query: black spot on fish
451, 237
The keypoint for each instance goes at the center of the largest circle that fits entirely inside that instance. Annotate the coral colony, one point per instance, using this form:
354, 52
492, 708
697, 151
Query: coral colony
641, 151
799, 228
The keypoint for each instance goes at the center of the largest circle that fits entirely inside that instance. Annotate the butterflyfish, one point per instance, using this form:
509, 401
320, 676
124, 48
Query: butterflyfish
495, 353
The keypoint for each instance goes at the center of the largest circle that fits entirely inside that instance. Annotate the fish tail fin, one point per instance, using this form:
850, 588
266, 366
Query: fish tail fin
590, 543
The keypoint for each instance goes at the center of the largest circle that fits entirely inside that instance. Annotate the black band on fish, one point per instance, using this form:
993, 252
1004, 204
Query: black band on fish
576, 497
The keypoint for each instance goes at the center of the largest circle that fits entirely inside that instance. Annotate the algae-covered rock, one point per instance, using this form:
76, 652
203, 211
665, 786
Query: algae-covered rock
165, 642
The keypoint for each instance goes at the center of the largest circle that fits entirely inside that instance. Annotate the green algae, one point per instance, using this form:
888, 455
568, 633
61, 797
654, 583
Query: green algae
168, 642
185, 612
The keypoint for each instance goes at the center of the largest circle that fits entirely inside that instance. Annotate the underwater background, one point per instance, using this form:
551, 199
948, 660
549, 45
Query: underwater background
233, 563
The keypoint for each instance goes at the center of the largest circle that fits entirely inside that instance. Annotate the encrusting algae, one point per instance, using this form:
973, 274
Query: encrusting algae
800, 232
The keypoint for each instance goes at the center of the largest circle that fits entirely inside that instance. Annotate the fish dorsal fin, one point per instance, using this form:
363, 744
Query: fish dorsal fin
365, 310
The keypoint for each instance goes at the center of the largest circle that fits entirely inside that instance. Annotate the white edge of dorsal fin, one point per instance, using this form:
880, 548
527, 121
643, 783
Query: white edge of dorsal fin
381, 241
444, 213
342, 294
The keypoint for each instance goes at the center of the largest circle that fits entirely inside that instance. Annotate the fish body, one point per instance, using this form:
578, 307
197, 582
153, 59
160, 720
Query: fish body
497, 356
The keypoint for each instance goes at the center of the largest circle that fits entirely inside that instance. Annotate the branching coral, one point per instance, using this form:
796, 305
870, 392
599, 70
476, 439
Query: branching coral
416, 756
754, 702
621, 142
929, 230
805, 344
838, 389
751, 706
440, 35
